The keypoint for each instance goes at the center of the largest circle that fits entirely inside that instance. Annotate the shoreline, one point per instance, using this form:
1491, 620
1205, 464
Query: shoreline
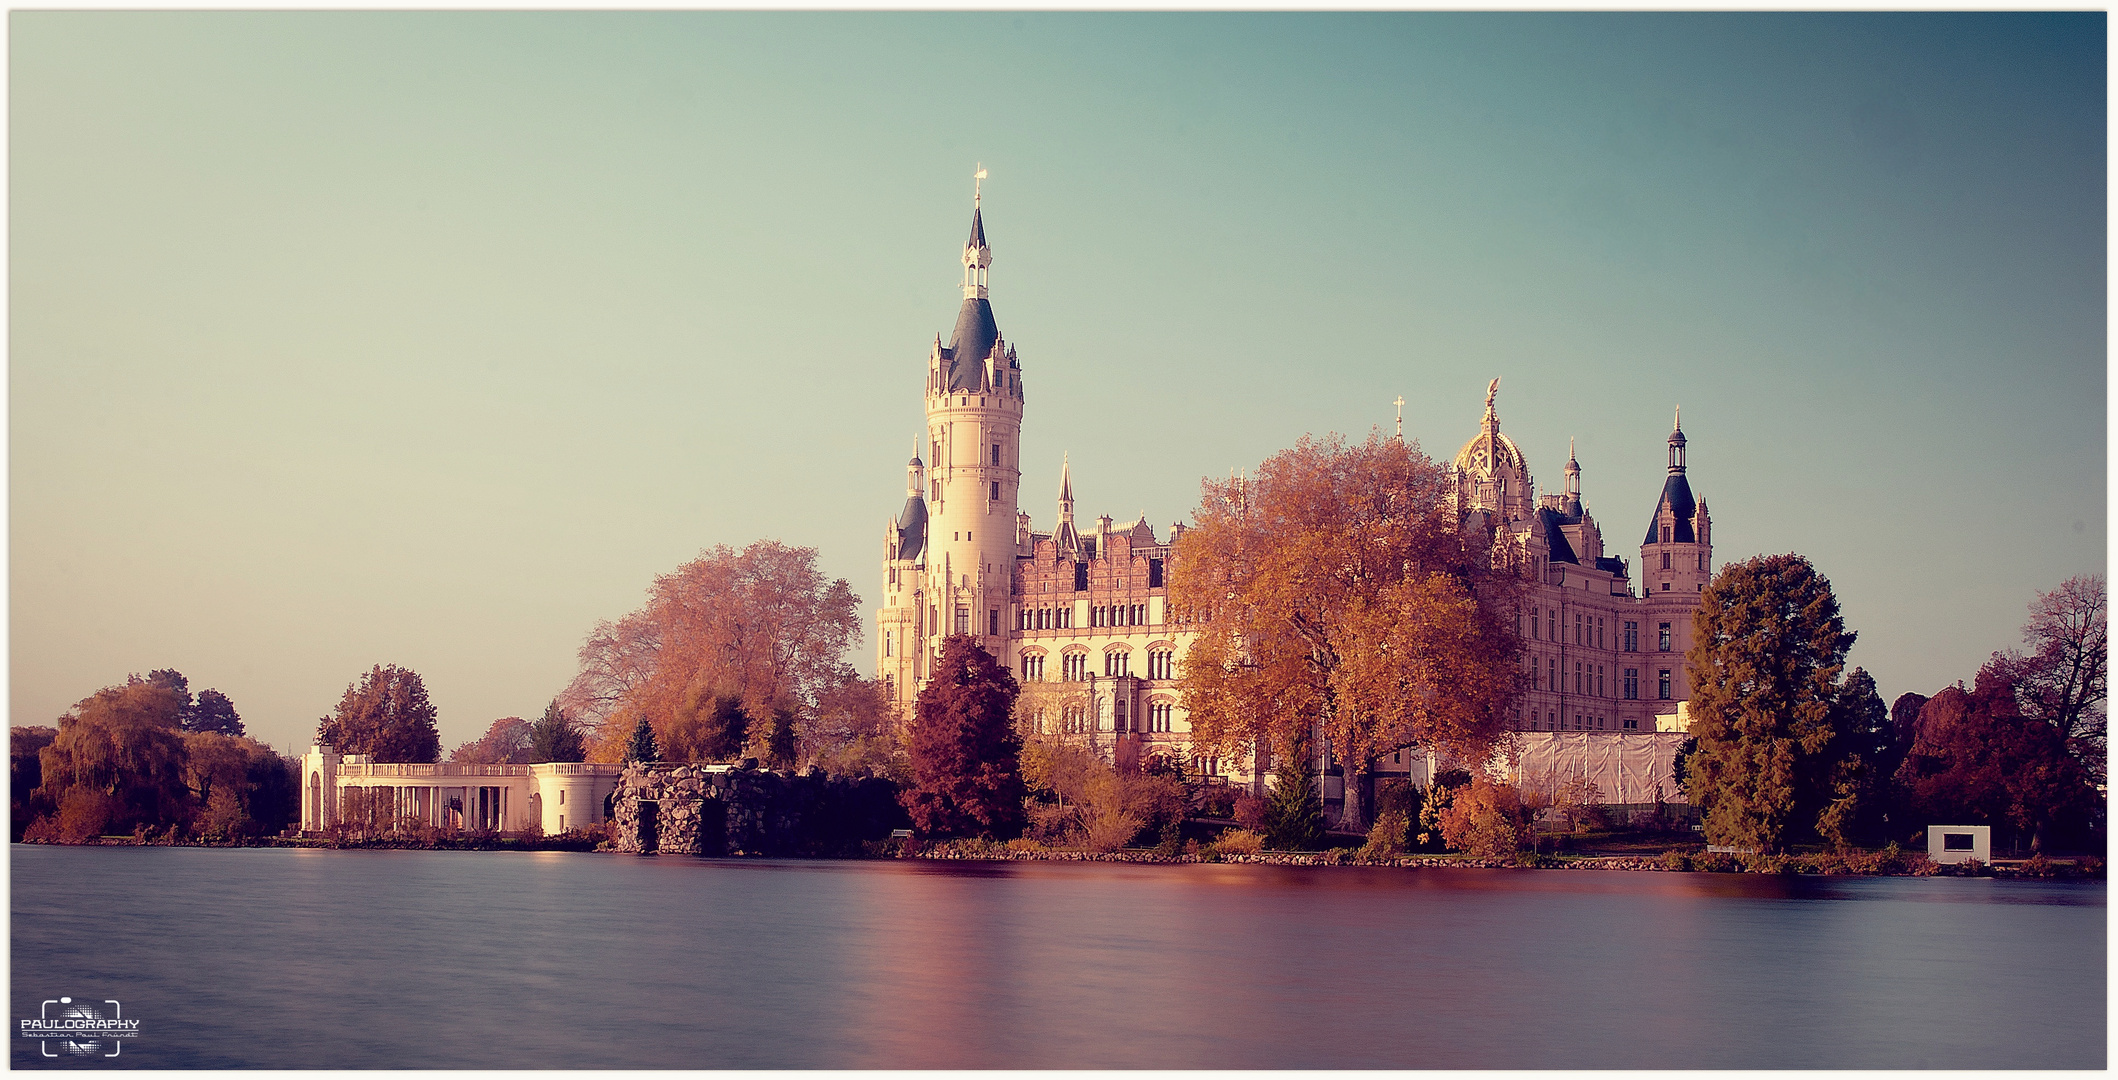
2068, 868
1871, 864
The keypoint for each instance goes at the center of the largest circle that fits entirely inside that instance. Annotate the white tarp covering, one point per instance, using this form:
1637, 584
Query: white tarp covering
1626, 767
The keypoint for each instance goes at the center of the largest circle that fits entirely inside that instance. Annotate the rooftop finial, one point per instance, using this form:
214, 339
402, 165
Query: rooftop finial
1400, 418
977, 256
1677, 424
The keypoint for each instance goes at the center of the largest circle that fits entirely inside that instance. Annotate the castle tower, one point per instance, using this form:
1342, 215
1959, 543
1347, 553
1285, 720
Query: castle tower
899, 661
1676, 562
961, 580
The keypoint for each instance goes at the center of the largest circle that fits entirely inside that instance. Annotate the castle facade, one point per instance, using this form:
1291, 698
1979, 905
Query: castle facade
1080, 614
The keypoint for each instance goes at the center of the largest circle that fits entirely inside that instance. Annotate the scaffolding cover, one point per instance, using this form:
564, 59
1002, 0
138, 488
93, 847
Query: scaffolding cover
1626, 767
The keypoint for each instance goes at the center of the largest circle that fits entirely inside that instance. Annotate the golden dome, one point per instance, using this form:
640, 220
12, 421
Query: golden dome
1490, 451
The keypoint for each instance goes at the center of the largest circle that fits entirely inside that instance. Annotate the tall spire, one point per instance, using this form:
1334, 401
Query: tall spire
977, 255
1066, 489
1063, 535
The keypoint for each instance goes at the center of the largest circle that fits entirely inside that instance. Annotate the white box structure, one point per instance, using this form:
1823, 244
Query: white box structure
1955, 843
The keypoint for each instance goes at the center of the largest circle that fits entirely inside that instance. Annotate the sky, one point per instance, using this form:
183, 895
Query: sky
344, 338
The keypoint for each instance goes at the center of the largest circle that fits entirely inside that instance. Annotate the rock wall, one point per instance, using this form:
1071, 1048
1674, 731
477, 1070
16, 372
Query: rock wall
726, 810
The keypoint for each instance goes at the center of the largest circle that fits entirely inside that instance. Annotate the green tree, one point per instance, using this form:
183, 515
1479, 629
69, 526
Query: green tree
966, 754
210, 711
781, 748
385, 714
555, 737
641, 748
213, 712
1768, 649
239, 787
1294, 813
1856, 811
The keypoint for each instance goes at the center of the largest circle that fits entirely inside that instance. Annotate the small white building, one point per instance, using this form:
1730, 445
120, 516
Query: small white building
555, 796
1956, 843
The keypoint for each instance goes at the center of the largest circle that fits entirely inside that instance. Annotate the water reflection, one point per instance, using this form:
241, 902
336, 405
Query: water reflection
568, 960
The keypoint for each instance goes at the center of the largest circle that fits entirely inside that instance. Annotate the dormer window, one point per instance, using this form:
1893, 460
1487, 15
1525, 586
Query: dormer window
1665, 539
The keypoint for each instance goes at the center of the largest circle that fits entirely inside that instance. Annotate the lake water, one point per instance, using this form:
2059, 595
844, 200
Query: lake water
355, 959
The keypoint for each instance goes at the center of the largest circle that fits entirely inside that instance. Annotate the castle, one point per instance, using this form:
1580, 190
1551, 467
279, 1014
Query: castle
1081, 616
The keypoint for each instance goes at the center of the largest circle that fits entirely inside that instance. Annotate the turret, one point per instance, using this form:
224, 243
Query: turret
1573, 481
1676, 561
973, 477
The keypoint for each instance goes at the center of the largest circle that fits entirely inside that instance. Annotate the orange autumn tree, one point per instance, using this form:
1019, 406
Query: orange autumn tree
1335, 589
760, 629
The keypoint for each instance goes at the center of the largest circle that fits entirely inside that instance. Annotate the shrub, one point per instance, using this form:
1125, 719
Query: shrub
1714, 862
2090, 866
1387, 839
1237, 842
1249, 812
1919, 865
1764, 863
1172, 842
1111, 827
2039, 866
1054, 826
83, 814
1294, 817
223, 817
1437, 798
1214, 801
1485, 819
1869, 862
1676, 860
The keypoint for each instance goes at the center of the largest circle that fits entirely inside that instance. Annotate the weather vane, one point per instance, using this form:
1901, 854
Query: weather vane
978, 182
